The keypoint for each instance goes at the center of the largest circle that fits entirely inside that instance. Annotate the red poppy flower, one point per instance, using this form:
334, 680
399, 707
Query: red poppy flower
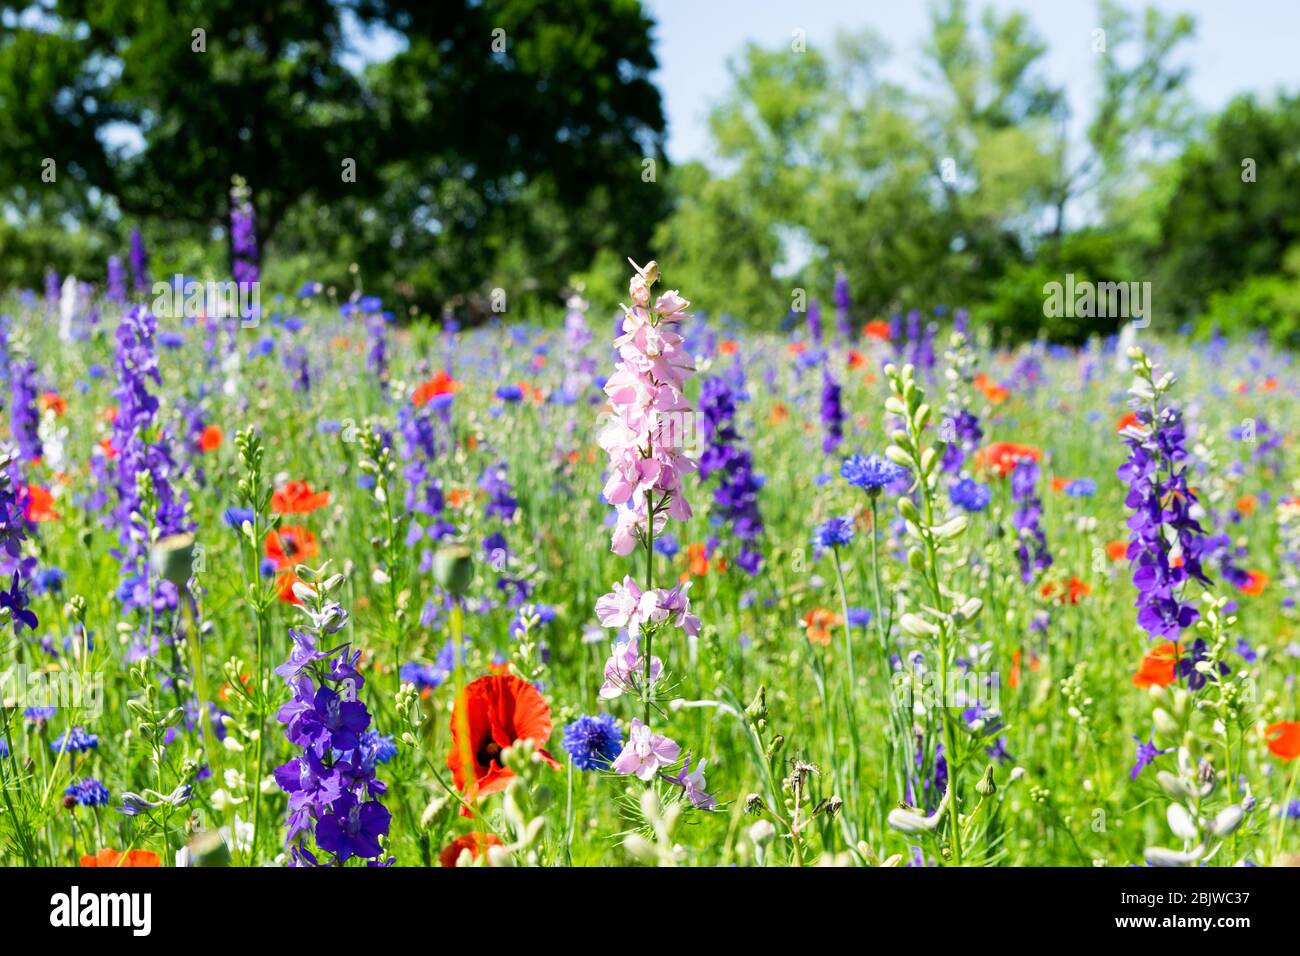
210, 438
52, 402
1002, 456
284, 587
490, 714
290, 545
476, 843
1255, 586
107, 857
1284, 739
1070, 593
1157, 667
106, 445
440, 384
1117, 550
856, 359
699, 559
727, 347
818, 623
1129, 419
1247, 504
879, 330
297, 498
40, 505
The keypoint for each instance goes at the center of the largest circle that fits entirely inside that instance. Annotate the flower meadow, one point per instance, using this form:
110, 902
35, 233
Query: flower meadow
313, 587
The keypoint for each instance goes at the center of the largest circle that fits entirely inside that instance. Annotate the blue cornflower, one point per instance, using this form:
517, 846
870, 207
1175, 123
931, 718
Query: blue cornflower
835, 533
871, 474
970, 495
4, 750
39, 713
78, 741
859, 616
86, 793
1081, 488
593, 742
378, 747
510, 393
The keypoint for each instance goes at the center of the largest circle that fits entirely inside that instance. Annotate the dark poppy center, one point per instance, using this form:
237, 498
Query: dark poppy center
488, 751
290, 546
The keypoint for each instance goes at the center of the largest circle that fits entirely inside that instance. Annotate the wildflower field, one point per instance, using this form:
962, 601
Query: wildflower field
640, 587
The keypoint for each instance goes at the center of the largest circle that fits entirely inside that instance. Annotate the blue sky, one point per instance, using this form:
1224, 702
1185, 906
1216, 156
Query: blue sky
1239, 46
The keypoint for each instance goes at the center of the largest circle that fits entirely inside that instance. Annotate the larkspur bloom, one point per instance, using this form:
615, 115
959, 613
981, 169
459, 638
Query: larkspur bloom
243, 233
735, 499
1031, 549
646, 752
832, 413
1161, 524
334, 794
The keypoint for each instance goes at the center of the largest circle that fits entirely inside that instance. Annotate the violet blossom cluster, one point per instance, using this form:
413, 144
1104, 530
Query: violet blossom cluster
1166, 544
14, 528
1027, 519
142, 449
334, 793
735, 498
243, 233
139, 260
832, 412
25, 418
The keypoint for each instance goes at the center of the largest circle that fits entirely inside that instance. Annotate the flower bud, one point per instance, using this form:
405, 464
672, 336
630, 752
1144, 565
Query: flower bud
453, 568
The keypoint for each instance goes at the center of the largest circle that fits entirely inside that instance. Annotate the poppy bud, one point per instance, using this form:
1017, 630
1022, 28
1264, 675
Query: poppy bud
173, 558
453, 568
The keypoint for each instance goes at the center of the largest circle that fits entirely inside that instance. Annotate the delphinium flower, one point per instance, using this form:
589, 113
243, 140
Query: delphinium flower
52, 286
1147, 752
815, 322
647, 441
832, 413
735, 499
139, 259
1288, 524
843, 304
25, 417
334, 794
1031, 548
142, 455
579, 367
421, 449
961, 426
377, 332
115, 290
1161, 525
593, 742
243, 233
13, 532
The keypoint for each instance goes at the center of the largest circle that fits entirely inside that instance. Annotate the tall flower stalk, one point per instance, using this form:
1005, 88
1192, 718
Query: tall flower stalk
647, 440
946, 611
1165, 541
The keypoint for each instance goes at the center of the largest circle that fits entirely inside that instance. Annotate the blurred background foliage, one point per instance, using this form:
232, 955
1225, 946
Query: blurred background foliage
526, 167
